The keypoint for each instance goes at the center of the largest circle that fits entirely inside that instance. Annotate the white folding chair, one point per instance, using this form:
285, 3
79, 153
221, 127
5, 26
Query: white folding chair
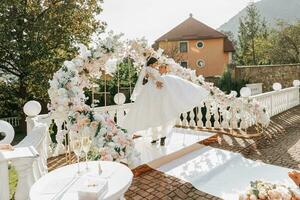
31, 169
29, 159
6, 131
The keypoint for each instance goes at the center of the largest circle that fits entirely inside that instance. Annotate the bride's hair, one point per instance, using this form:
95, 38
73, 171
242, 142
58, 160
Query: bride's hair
151, 60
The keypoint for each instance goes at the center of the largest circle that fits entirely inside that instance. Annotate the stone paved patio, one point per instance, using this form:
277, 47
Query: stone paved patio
157, 185
279, 145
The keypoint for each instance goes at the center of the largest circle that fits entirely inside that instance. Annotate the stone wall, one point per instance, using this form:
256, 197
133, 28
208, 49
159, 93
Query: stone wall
268, 74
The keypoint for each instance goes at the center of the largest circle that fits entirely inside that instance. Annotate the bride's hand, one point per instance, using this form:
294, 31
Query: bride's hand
159, 84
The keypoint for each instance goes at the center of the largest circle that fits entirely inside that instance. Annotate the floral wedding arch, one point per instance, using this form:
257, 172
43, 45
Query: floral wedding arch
69, 110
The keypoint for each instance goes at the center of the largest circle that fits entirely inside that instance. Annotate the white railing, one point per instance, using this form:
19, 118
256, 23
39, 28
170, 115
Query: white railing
117, 112
14, 121
204, 116
279, 101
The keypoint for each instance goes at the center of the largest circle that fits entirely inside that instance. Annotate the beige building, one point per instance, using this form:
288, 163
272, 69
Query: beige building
197, 46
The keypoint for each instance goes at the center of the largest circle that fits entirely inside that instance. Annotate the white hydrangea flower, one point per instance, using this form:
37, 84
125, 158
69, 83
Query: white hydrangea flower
111, 66
83, 51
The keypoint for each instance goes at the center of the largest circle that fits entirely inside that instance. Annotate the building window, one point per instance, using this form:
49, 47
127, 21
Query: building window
183, 47
184, 64
201, 63
200, 44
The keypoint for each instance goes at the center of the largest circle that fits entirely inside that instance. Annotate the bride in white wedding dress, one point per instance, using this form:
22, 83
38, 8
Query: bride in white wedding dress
160, 99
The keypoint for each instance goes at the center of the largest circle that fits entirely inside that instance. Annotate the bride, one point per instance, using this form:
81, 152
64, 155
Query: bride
160, 99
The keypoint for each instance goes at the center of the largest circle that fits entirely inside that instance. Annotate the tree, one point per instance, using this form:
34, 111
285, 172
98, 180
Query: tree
125, 77
286, 44
37, 36
252, 34
227, 83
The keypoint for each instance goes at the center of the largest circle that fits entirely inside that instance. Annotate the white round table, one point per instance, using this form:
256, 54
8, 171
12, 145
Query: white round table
119, 179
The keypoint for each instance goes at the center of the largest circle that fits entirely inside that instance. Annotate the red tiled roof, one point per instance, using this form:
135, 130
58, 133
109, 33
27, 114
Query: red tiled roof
228, 45
191, 29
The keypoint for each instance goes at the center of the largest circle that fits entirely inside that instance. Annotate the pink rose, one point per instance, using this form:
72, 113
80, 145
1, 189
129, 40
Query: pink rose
68, 86
107, 157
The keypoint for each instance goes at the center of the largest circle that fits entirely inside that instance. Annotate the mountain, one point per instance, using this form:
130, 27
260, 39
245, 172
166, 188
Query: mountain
271, 10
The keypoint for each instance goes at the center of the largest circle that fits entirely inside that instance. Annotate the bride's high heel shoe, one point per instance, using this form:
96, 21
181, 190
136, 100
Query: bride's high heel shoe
154, 141
162, 141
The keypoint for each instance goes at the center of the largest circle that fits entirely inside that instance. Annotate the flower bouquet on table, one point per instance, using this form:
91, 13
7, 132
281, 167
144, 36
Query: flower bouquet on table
260, 190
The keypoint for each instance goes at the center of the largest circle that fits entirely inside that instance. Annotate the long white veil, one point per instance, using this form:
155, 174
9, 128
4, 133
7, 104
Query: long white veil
139, 84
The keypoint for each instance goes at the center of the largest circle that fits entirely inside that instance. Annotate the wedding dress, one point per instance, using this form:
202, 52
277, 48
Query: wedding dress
155, 106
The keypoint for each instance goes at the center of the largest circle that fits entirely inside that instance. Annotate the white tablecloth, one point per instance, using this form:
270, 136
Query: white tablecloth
119, 179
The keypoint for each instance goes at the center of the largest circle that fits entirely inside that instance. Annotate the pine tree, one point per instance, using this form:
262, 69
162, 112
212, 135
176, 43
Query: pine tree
252, 30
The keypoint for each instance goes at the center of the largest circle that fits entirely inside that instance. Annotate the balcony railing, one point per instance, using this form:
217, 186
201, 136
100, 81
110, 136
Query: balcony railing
279, 101
14, 121
203, 116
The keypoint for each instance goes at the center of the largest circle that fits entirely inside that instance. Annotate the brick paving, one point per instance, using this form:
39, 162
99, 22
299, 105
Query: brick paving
60, 161
153, 184
279, 145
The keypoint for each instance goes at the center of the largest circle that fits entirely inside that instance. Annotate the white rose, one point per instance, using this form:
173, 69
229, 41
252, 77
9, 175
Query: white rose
111, 145
97, 54
60, 109
53, 83
83, 51
69, 64
87, 131
111, 66
78, 62
53, 93
63, 101
62, 92
99, 117
102, 131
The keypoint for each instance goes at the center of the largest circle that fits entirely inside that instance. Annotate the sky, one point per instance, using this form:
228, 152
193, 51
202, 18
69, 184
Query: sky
153, 18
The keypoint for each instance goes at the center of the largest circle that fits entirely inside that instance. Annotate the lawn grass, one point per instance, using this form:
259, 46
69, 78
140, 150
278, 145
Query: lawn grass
13, 180
13, 176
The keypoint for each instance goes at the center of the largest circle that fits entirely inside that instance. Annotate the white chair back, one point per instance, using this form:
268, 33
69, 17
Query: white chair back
6, 130
31, 169
39, 140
